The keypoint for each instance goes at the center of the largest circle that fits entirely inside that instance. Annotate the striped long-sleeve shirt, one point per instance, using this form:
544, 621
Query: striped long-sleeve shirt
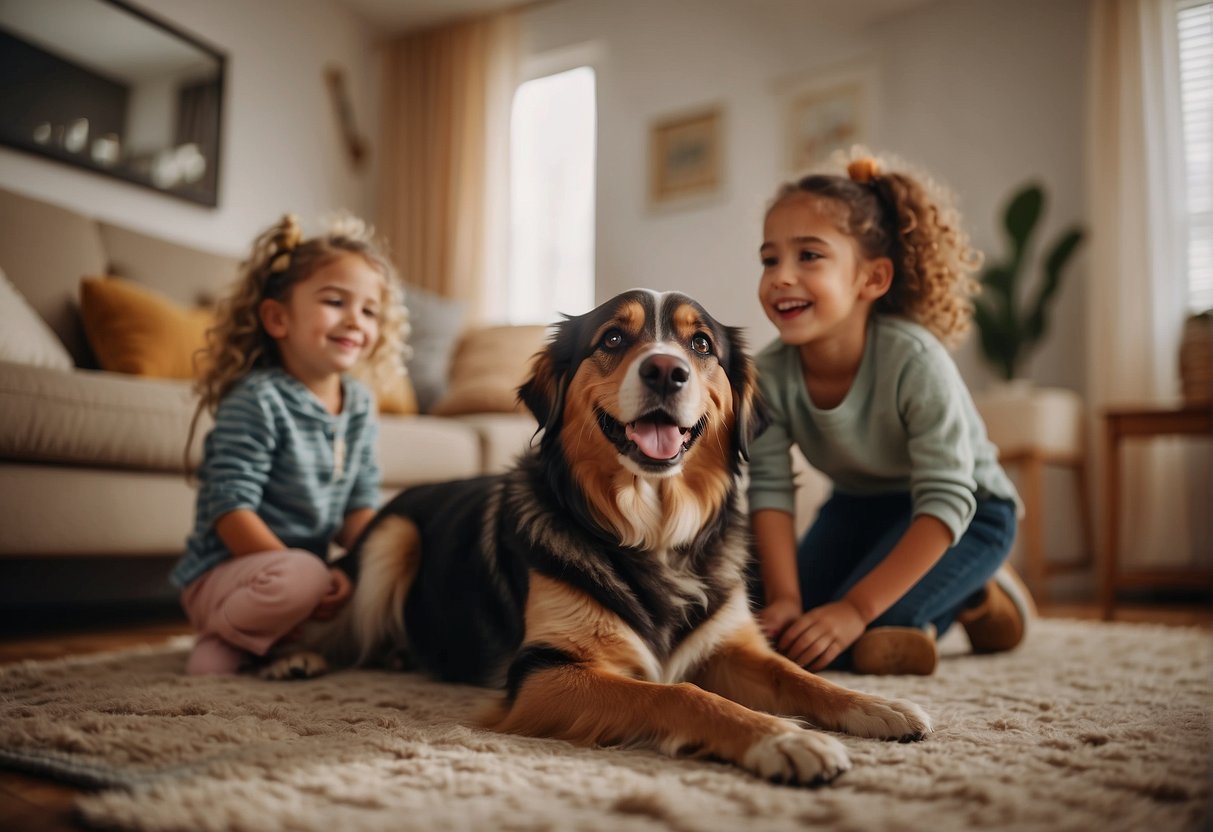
275, 450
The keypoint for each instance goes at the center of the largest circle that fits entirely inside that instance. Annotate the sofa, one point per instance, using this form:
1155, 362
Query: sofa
92, 460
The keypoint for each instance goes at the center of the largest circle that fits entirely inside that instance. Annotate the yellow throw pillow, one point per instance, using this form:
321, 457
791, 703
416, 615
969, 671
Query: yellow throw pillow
394, 394
488, 367
134, 329
397, 397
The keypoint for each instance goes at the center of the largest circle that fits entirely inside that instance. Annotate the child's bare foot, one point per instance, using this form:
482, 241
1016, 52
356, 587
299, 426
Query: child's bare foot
212, 656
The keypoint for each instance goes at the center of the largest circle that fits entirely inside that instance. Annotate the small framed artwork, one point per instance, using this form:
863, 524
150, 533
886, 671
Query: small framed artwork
686, 156
830, 113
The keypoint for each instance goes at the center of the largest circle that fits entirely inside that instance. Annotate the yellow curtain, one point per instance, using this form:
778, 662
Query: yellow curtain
445, 122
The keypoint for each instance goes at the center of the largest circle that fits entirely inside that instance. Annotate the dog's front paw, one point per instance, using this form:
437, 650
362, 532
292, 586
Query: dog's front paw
799, 757
302, 665
887, 719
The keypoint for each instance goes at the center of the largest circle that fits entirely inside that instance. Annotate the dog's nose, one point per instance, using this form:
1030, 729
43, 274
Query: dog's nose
664, 374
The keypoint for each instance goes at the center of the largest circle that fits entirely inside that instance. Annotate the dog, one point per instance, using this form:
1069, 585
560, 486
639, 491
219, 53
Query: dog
602, 581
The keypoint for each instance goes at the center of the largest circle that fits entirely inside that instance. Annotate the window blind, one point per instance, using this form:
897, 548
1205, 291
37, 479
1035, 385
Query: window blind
1195, 20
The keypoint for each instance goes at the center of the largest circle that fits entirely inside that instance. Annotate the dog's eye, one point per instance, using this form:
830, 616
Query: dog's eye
613, 340
701, 344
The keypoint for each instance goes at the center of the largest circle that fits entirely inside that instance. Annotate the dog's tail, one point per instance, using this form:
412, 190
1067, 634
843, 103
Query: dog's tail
372, 623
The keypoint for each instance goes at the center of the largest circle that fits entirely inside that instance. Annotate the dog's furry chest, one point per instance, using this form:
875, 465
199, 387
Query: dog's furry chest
483, 539
661, 595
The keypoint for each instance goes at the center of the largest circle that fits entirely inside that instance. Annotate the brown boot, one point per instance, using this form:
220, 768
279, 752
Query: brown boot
896, 651
1000, 620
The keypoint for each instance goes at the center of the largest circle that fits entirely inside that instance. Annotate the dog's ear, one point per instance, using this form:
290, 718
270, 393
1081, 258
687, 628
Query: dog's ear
750, 414
540, 391
543, 391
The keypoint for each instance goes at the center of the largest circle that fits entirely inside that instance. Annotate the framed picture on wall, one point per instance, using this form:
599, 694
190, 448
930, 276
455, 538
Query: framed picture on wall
686, 156
829, 112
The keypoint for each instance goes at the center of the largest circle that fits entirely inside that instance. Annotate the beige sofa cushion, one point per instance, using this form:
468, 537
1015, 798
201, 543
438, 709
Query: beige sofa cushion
95, 418
45, 250
101, 419
503, 436
93, 512
417, 449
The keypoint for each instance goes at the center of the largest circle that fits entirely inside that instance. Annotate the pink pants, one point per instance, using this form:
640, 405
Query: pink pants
246, 604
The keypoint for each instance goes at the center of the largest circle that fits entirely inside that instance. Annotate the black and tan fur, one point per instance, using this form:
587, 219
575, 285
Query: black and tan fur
602, 588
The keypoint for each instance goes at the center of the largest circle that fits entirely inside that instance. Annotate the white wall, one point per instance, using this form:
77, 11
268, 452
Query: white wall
663, 58
983, 93
989, 94
281, 147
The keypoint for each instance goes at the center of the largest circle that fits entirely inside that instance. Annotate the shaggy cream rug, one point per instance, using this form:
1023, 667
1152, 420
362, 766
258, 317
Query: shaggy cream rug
1088, 726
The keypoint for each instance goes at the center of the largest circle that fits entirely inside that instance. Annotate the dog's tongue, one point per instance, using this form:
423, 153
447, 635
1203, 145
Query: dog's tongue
656, 441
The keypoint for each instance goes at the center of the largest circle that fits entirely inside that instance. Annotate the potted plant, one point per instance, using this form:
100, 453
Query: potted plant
1009, 330
1031, 426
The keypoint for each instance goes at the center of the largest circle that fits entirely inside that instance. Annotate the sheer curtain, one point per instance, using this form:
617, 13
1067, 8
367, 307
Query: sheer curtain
1136, 295
443, 199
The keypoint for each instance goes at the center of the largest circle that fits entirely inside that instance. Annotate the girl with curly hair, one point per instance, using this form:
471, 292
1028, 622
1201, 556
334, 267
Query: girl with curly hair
289, 466
867, 277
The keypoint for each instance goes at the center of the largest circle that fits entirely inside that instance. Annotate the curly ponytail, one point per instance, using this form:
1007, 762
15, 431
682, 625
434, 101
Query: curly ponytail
912, 221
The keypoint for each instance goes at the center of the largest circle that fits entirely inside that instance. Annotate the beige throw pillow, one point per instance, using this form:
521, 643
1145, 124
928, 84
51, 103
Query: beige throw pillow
24, 336
488, 367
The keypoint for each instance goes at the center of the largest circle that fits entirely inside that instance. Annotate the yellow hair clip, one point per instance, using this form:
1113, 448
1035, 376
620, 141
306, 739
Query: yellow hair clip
280, 263
291, 233
285, 242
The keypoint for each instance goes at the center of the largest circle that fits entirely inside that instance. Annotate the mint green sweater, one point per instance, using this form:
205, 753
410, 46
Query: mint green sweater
908, 424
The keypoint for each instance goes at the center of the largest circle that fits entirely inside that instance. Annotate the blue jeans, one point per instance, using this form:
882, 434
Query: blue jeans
852, 534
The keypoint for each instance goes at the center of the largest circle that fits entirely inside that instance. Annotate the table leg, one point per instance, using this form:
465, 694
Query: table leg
1111, 553
1084, 512
1036, 571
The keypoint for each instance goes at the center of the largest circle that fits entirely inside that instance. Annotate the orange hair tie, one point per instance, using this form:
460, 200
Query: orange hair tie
863, 170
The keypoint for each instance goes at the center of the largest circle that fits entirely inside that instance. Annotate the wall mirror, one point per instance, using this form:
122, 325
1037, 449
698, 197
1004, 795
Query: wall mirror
103, 85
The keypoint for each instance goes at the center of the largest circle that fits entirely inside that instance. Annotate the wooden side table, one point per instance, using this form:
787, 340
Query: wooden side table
1030, 463
1120, 423
1036, 428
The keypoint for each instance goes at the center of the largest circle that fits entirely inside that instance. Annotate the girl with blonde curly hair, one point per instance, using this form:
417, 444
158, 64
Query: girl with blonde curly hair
867, 277
289, 466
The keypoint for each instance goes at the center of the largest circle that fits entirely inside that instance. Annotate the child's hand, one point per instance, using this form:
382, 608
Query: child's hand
335, 598
777, 615
816, 638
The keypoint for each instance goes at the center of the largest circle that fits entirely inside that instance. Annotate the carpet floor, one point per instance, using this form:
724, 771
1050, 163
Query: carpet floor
1088, 726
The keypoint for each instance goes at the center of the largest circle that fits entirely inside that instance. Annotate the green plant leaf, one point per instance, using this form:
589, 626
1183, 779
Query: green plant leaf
1007, 333
999, 281
1054, 268
1062, 250
998, 340
1022, 215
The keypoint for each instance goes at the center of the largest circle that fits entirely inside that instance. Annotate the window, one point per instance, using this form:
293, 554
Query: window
552, 149
1195, 19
